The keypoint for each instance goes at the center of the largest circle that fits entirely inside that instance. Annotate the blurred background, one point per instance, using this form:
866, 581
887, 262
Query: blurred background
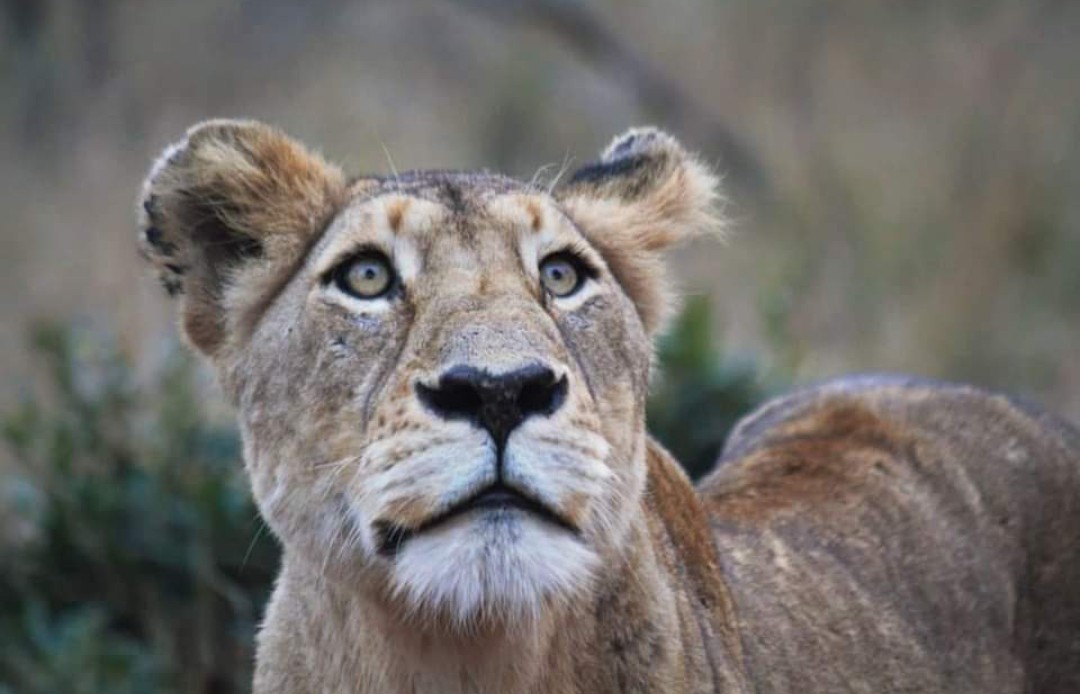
901, 177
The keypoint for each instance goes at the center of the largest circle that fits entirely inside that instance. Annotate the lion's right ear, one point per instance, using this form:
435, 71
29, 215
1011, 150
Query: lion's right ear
225, 214
645, 195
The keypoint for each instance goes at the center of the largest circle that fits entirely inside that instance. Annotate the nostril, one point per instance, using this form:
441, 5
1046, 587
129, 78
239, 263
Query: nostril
451, 399
495, 402
542, 395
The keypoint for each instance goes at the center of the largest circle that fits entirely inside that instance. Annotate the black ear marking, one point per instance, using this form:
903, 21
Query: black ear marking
633, 166
624, 146
225, 215
156, 240
624, 157
150, 206
152, 234
172, 285
634, 141
599, 171
645, 194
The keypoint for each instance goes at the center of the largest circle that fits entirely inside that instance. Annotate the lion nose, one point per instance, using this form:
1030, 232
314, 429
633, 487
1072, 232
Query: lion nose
498, 403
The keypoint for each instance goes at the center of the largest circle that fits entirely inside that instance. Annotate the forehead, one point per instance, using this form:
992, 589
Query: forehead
458, 207
452, 189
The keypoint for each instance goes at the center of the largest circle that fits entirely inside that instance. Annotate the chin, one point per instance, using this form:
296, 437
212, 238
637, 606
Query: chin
501, 565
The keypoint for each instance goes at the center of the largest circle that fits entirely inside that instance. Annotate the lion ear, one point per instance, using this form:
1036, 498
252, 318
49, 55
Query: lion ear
644, 195
225, 214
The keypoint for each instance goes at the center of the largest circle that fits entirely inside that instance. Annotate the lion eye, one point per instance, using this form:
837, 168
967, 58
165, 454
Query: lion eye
560, 275
366, 276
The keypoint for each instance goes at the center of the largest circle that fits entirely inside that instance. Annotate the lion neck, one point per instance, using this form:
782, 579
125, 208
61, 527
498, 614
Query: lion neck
647, 624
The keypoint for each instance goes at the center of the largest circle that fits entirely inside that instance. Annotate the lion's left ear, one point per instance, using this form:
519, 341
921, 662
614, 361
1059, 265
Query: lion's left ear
645, 195
224, 214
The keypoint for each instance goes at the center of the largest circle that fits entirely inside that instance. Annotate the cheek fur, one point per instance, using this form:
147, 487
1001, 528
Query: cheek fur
306, 380
613, 354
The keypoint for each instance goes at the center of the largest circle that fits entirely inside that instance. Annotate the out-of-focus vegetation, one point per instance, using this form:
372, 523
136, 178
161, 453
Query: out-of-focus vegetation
134, 561
902, 175
133, 556
700, 392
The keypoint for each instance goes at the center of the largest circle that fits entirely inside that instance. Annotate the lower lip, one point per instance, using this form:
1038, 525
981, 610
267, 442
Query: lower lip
494, 501
500, 500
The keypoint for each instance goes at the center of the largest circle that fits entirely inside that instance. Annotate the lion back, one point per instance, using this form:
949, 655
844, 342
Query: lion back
891, 534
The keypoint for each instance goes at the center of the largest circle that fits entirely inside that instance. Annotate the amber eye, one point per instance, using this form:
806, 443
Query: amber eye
561, 275
367, 276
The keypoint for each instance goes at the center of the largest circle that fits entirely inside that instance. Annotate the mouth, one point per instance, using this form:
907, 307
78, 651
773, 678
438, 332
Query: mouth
497, 497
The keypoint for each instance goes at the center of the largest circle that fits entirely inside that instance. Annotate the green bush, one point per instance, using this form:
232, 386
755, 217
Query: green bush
135, 561
699, 394
139, 566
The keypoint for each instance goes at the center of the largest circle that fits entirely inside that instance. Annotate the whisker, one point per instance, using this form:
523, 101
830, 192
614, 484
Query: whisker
390, 162
539, 172
334, 463
251, 546
567, 161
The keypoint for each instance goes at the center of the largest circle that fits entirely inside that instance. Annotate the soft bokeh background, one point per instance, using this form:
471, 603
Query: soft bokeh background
903, 175
902, 178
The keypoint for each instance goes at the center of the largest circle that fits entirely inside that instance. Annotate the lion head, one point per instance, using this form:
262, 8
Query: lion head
440, 376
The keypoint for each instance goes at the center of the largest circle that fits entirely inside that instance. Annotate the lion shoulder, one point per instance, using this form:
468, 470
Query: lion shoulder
849, 434
931, 505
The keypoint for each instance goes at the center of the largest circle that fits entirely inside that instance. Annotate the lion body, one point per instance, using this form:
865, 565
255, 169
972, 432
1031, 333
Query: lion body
867, 535
458, 470
886, 534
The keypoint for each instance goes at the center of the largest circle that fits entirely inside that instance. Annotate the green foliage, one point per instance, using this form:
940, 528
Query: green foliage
75, 652
134, 561
699, 395
138, 565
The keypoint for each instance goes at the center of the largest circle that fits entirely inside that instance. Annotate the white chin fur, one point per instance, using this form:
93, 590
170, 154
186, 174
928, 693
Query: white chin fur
502, 564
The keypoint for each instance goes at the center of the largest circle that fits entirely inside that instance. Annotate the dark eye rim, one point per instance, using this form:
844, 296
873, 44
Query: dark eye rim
337, 275
585, 271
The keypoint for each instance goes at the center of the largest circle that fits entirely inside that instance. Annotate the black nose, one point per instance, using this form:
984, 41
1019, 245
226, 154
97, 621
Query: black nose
496, 402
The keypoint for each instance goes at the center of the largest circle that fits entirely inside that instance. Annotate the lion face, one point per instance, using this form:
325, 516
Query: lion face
440, 377
463, 427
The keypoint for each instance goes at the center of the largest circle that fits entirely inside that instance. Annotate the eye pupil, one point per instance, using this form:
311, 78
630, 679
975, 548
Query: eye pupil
367, 276
560, 275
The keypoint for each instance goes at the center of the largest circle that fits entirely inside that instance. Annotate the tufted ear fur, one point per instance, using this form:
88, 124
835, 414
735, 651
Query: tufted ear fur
645, 194
225, 215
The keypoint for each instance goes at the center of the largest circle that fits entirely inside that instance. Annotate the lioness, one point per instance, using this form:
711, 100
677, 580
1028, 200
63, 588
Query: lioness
441, 379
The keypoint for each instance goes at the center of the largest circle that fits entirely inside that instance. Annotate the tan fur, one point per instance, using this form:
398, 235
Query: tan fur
669, 198
872, 535
232, 182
